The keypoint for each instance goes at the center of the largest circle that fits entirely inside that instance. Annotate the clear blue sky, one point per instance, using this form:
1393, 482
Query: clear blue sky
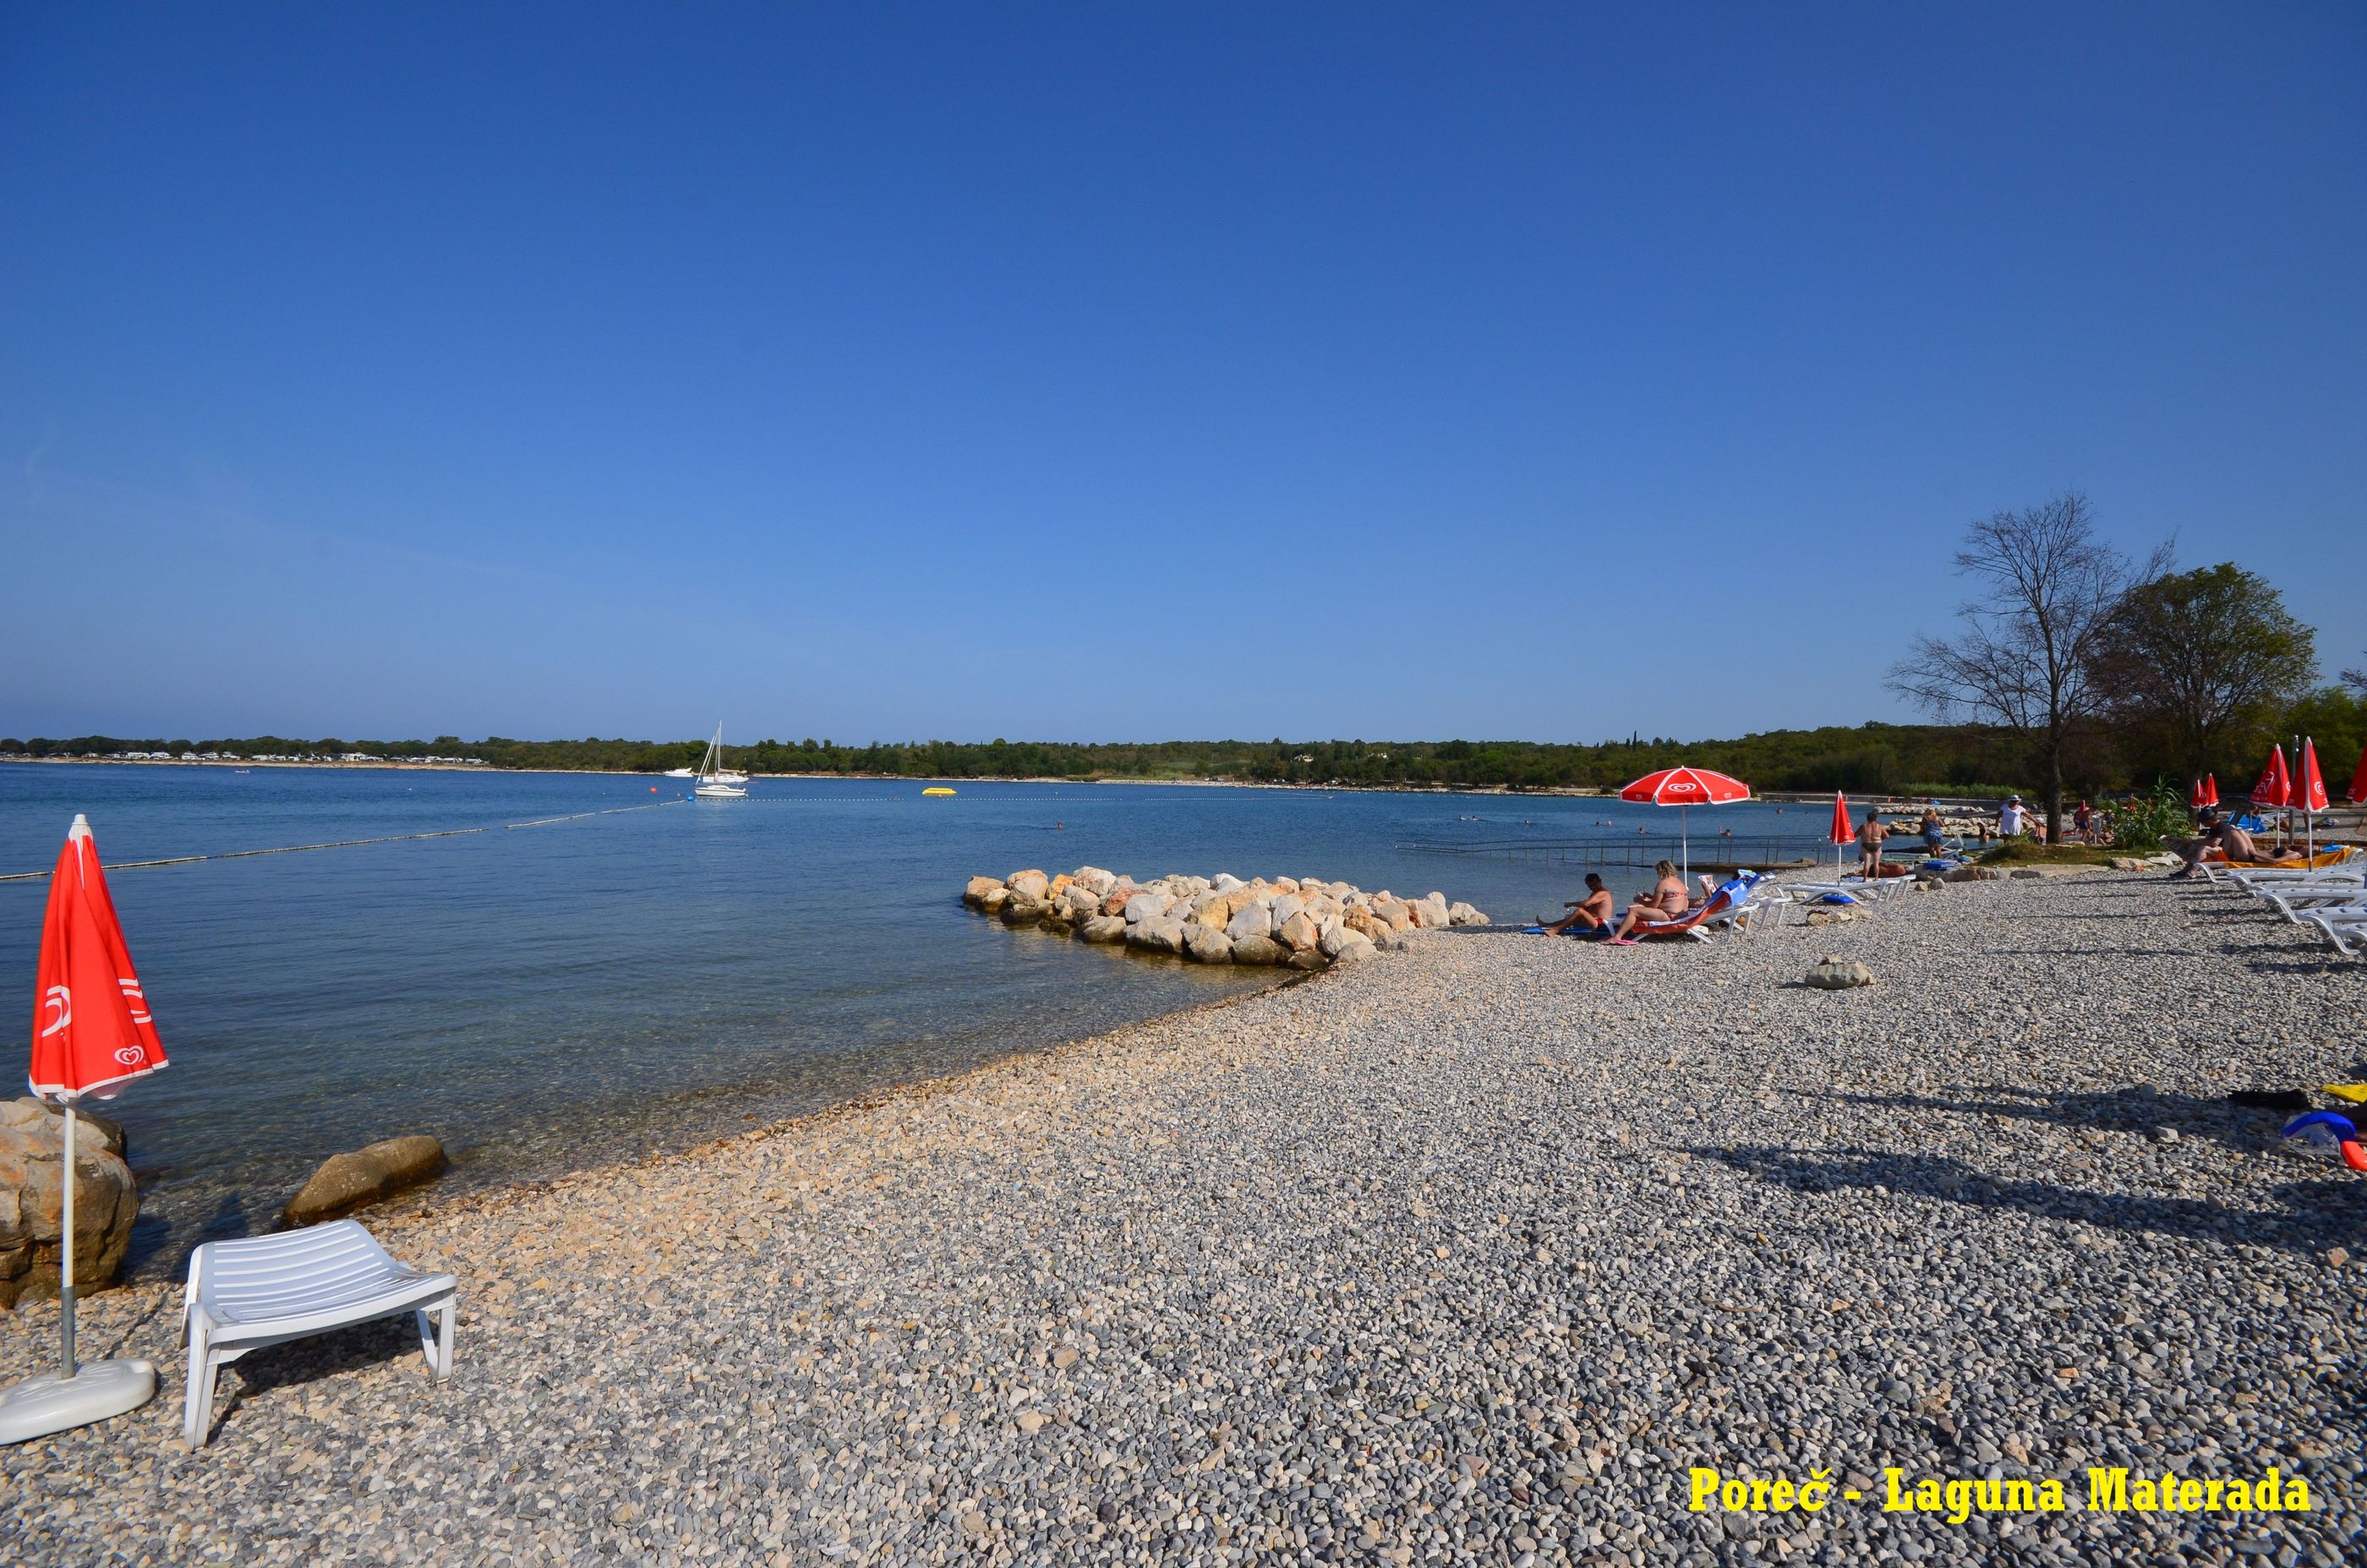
1132, 372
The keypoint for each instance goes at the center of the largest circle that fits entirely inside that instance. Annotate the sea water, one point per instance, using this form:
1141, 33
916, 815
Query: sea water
541, 998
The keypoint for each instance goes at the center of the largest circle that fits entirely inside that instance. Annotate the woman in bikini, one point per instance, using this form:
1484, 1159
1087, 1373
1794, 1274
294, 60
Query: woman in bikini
1869, 844
1667, 900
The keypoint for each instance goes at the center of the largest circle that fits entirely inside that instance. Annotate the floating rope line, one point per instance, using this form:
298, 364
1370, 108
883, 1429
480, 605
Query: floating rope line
343, 844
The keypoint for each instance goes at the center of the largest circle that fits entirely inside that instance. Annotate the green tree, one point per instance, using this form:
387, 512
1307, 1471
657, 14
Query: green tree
2201, 663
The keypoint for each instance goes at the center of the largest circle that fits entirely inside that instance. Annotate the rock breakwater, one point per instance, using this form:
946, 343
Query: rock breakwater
1300, 922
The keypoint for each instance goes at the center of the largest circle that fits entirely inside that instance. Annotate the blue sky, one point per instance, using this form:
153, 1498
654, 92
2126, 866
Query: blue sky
1132, 372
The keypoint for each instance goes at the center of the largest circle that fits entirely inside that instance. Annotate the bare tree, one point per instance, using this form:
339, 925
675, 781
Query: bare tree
2046, 586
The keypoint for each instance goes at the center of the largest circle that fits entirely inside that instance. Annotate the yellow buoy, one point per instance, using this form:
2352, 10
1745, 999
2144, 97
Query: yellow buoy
936, 789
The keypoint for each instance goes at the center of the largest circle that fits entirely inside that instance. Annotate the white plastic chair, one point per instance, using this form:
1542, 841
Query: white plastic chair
267, 1290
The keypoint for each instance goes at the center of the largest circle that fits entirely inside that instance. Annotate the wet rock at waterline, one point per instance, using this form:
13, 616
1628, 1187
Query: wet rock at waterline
32, 1164
347, 1182
1303, 922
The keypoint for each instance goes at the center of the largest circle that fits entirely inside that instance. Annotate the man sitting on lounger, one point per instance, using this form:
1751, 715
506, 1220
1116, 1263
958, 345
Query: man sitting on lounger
2232, 842
1667, 900
1591, 913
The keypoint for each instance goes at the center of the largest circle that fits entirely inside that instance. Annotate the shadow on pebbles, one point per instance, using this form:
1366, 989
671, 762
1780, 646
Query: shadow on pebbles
1470, 1254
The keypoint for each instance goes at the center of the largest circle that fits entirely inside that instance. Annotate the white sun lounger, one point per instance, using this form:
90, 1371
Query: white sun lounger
267, 1290
2292, 898
2219, 871
2345, 927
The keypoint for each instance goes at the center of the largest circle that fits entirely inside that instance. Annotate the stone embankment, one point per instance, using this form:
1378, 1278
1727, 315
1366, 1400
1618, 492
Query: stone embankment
1301, 922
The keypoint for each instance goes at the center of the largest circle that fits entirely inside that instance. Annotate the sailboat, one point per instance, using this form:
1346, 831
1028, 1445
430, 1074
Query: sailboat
716, 782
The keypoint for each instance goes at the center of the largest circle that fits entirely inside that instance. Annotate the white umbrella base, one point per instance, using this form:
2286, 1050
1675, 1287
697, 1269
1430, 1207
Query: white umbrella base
99, 1390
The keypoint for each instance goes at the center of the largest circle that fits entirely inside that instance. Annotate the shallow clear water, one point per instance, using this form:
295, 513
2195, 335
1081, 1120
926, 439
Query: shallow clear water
544, 997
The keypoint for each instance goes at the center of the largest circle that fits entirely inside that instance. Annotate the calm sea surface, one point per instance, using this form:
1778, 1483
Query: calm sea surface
541, 998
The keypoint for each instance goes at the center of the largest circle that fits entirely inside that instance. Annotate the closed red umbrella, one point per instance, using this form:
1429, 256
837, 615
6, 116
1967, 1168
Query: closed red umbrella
2309, 793
2206, 791
2359, 779
1686, 788
1842, 832
2276, 785
92, 1035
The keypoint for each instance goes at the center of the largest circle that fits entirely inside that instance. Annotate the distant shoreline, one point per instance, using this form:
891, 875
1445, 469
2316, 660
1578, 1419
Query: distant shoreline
1554, 792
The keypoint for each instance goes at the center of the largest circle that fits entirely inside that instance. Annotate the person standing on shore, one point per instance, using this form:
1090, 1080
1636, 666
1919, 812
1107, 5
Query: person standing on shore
2009, 818
1869, 843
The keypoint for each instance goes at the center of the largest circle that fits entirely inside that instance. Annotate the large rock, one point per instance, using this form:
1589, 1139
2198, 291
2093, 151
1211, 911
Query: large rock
1029, 885
1350, 947
1206, 945
980, 886
994, 898
1252, 920
1102, 929
32, 1164
1285, 907
1311, 959
1298, 934
1258, 950
1432, 912
1093, 879
89, 1128
1338, 939
1018, 911
346, 1182
1144, 906
1392, 913
1972, 874
1831, 973
1157, 934
1462, 914
1081, 904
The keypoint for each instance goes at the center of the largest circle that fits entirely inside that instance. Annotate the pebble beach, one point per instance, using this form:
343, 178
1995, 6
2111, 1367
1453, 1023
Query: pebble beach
1472, 1253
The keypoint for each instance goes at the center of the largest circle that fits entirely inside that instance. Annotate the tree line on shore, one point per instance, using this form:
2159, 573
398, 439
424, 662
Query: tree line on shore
1874, 757
2107, 670
2072, 670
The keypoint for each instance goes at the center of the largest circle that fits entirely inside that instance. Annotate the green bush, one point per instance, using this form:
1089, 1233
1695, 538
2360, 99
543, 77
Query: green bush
2149, 821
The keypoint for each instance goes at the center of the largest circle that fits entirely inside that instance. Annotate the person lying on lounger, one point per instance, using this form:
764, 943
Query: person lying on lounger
1589, 914
1666, 901
2232, 842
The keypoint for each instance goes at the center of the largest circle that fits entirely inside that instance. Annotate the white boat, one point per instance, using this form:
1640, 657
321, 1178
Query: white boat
715, 781
682, 772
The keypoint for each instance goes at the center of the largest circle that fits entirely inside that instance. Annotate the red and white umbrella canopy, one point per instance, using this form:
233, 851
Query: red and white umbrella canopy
91, 1028
1842, 832
1686, 787
2206, 793
2308, 788
2276, 785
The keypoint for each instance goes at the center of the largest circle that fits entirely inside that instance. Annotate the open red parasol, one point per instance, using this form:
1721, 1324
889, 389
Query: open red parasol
1686, 788
92, 1035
